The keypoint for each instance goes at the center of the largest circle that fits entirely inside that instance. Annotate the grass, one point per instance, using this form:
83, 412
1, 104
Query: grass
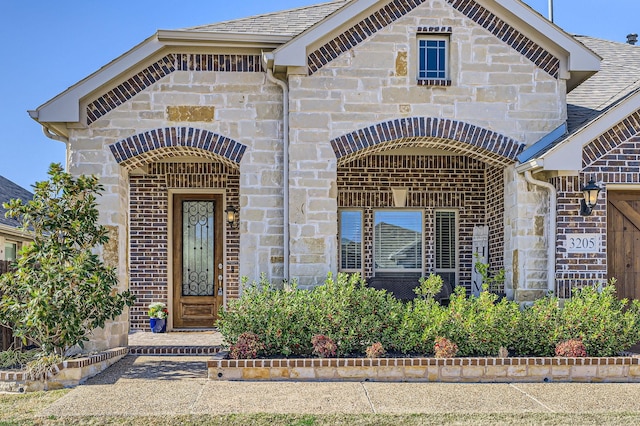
23, 409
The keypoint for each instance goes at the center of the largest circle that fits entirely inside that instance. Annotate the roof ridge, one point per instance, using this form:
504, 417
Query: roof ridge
262, 15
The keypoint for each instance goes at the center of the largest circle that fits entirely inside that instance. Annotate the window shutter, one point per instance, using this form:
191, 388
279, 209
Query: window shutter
445, 240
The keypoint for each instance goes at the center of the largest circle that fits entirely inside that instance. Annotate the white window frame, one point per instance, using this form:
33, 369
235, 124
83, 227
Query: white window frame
456, 238
422, 240
351, 270
447, 55
16, 244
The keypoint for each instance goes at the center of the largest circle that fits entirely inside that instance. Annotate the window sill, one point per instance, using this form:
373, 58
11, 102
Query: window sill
434, 82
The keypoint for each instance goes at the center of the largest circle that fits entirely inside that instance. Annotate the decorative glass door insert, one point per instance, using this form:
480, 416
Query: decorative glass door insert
197, 259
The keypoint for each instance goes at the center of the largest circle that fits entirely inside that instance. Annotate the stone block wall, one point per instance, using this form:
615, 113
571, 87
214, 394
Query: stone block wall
213, 94
493, 86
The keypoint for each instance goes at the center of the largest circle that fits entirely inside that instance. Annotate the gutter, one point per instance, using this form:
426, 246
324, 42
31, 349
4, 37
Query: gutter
285, 142
56, 137
553, 215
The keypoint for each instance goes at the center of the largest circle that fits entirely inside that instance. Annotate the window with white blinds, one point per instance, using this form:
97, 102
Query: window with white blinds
398, 236
350, 240
446, 244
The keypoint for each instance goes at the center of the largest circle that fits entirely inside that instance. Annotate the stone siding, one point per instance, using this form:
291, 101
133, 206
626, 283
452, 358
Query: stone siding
134, 121
349, 97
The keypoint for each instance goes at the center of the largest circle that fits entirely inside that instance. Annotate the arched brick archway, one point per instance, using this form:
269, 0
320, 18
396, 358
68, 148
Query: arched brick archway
138, 149
441, 133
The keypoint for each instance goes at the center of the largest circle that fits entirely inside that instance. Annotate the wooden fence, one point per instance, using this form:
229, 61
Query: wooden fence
6, 337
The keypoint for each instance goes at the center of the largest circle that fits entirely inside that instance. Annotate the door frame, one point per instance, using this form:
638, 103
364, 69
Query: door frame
170, 245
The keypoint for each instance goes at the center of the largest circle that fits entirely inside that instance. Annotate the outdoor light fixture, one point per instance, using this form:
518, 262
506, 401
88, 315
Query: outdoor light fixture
232, 216
590, 194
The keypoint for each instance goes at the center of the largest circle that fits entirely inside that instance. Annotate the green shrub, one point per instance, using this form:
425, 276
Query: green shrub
422, 321
605, 324
481, 325
355, 317
538, 328
352, 315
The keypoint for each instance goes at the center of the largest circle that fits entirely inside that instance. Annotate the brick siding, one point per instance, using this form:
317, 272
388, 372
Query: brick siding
396, 9
165, 66
452, 135
436, 181
149, 198
611, 158
128, 152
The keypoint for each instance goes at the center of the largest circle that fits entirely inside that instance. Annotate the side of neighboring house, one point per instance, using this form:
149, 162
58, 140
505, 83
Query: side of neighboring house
11, 239
11, 236
385, 137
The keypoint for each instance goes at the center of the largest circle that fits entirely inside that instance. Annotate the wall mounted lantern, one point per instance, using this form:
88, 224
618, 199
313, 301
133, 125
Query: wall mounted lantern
590, 194
232, 216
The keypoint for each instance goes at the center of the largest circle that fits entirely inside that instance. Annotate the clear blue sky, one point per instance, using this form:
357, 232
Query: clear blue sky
51, 45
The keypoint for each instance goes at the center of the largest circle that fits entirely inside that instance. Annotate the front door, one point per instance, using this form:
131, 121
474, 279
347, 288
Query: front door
623, 242
197, 259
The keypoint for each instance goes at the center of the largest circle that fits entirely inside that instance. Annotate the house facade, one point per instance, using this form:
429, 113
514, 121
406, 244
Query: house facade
390, 138
12, 238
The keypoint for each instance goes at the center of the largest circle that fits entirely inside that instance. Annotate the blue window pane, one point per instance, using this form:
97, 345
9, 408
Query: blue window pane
433, 59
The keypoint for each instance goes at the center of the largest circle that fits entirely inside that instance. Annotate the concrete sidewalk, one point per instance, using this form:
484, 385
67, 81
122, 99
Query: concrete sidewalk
166, 385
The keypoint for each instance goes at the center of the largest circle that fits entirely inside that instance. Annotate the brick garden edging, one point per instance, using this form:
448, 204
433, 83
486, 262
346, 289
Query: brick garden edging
605, 369
70, 373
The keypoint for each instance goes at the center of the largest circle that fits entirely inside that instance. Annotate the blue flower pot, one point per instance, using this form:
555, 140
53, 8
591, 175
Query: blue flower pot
158, 325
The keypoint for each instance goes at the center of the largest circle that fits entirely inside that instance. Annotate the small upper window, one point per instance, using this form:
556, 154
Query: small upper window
433, 62
433, 58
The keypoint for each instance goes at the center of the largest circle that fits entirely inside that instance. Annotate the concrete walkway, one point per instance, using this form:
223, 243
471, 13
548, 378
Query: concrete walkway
165, 385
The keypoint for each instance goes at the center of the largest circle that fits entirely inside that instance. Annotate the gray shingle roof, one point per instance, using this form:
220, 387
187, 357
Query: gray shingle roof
288, 22
618, 77
10, 190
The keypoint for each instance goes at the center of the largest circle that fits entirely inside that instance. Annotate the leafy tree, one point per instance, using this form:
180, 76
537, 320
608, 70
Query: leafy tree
60, 290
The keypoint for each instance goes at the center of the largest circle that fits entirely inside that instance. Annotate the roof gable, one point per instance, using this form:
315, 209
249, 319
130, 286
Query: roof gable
509, 20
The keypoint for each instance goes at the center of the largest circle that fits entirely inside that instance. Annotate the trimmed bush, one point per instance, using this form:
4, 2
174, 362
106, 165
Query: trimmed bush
481, 325
444, 348
376, 350
356, 317
323, 346
571, 348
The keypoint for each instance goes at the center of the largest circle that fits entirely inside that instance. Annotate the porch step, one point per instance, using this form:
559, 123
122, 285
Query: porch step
175, 350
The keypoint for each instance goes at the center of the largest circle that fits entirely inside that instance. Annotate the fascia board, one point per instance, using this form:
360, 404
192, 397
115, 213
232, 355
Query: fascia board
66, 106
15, 232
209, 38
568, 154
294, 53
580, 58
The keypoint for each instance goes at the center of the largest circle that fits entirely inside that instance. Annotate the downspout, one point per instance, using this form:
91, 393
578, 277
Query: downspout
553, 214
56, 137
285, 160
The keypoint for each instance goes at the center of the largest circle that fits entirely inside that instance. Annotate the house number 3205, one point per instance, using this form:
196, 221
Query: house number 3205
583, 243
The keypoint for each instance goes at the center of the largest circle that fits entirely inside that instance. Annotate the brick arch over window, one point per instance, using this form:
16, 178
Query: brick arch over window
423, 132
136, 150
